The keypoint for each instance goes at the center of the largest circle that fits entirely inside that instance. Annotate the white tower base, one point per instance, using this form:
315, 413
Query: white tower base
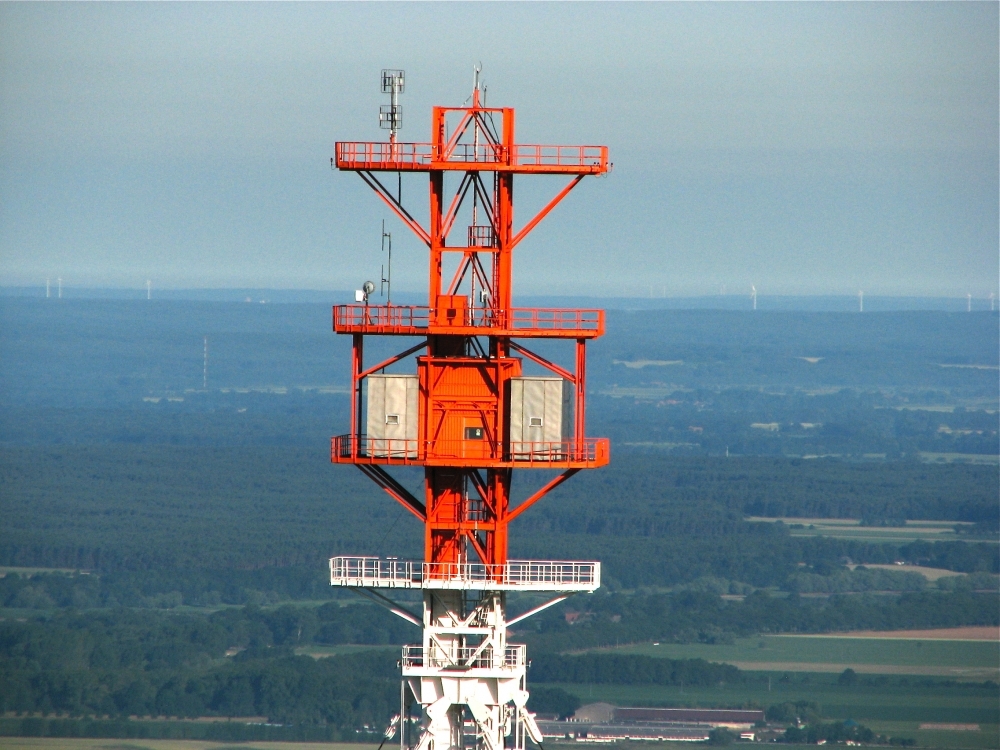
465, 687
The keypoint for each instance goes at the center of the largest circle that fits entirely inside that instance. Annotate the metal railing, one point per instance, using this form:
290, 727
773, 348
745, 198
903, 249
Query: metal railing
378, 572
464, 657
380, 154
522, 319
404, 451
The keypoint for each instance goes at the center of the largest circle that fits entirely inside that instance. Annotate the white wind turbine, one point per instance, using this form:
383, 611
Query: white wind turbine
753, 295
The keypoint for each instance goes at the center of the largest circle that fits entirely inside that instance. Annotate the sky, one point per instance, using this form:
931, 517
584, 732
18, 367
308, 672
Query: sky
803, 148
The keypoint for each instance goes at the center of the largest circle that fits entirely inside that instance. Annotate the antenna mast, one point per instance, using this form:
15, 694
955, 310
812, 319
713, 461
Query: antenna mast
386, 283
469, 416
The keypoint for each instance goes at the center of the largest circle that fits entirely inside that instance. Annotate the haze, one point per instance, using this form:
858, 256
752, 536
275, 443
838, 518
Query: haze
804, 148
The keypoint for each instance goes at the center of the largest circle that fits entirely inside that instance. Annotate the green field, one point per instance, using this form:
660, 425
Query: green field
850, 528
978, 660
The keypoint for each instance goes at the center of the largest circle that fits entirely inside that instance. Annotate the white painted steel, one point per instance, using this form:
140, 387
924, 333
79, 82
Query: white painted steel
516, 575
392, 415
540, 416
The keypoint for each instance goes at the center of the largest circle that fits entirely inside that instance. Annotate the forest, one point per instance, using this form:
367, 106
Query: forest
166, 536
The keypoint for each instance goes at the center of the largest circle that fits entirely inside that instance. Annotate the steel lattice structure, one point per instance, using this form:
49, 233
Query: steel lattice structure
469, 417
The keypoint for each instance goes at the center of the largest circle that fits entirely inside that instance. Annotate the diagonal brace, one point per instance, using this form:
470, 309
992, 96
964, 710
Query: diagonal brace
391, 201
394, 489
544, 362
392, 360
545, 211
540, 494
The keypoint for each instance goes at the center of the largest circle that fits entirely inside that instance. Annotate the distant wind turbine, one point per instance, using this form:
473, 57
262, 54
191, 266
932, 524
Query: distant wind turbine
861, 301
59, 281
149, 289
48, 293
753, 295
991, 301
968, 303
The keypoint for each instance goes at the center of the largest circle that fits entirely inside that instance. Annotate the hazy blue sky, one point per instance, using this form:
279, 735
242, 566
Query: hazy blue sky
804, 148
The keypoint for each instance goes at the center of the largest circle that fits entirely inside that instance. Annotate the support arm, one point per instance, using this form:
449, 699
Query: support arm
394, 489
540, 494
545, 211
391, 201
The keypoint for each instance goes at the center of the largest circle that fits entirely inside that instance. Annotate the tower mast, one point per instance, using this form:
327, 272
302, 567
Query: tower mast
469, 416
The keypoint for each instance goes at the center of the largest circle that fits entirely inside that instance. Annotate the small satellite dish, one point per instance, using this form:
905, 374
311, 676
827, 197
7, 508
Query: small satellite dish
368, 287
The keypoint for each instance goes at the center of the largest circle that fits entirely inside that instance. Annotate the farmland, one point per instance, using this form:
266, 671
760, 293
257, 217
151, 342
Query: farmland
957, 659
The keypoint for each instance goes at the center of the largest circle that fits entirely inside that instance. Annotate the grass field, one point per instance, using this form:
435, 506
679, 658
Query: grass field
850, 528
319, 652
975, 660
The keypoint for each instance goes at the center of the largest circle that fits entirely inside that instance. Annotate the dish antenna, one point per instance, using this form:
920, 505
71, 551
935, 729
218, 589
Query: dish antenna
361, 295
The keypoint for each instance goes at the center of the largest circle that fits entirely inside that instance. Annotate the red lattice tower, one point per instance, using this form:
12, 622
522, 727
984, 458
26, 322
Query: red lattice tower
462, 434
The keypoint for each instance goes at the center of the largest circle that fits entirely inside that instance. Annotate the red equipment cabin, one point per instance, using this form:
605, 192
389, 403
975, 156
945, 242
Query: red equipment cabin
465, 388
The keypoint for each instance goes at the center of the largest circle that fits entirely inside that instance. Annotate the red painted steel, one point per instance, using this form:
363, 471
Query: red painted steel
463, 428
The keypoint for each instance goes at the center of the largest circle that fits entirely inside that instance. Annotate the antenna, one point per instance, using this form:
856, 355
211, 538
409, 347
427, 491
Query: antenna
149, 289
753, 295
204, 368
390, 116
59, 282
386, 274
968, 303
861, 301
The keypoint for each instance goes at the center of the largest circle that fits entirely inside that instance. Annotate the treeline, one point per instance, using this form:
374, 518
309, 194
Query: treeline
232, 663
608, 619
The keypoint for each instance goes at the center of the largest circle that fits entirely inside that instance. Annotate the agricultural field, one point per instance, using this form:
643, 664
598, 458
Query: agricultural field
956, 659
851, 528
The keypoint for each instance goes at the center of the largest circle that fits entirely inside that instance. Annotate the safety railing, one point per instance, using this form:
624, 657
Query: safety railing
361, 448
416, 657
522, 320
382, 155
375, 572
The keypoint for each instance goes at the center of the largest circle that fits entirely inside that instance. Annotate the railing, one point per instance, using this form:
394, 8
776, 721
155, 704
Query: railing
463, 658
400, 450
521, 319
376, 572
380, 154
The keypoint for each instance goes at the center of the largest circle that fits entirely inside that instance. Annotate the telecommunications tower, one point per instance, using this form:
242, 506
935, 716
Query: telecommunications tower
469, 416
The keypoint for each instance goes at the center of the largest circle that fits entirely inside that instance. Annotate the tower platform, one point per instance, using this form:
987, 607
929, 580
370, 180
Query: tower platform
515, 575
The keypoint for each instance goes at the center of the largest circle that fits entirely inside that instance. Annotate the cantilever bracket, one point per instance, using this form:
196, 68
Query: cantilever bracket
538, 609
390, 605
394, 489
540, 494
545, 211
392, 360
544, 362
393, 203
